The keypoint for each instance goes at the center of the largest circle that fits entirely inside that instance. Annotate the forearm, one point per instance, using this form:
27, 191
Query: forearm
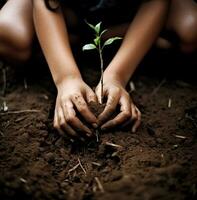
53, 37
140, 36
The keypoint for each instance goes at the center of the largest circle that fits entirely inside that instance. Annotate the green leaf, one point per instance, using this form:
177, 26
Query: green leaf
103, 32
97, 40
98, 28
88, 47
90, 25
111, 40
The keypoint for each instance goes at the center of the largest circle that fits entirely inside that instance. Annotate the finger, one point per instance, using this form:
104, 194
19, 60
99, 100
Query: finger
73, 120
63, 127
83, 109
124, 115
137, 117
56, 123
119, 119
112, 102
90, 96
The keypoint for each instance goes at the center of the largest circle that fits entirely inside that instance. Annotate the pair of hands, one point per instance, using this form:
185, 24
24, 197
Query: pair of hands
74, 93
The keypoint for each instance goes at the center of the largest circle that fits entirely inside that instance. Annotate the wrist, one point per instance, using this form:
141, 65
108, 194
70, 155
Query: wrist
115, 77
66, 79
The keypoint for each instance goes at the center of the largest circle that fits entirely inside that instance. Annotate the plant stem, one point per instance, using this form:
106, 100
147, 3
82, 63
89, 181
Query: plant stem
101, 66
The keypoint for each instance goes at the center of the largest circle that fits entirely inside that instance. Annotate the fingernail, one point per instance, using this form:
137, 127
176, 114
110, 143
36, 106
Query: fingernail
133, 130
95, 125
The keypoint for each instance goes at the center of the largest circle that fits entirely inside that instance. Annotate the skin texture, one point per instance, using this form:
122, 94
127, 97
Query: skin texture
51, 29
72, 90
16, 36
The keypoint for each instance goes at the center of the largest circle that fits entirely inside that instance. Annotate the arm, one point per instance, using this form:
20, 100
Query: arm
139, 37
72, 91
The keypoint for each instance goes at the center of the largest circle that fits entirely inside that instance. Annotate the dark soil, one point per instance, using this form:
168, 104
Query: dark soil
157, 162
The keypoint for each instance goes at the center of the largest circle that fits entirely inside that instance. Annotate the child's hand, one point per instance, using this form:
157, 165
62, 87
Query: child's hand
116, 94
73, 94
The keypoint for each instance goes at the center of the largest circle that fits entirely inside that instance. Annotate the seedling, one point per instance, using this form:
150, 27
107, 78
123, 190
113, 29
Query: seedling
99, 45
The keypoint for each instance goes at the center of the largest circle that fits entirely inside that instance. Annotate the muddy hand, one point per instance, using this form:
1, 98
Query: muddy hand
117, 95
72, 95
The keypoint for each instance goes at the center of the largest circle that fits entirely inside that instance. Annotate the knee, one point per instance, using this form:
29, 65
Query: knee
15, 41
187, 34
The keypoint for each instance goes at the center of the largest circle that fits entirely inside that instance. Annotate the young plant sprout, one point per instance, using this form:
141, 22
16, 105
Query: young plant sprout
99, 46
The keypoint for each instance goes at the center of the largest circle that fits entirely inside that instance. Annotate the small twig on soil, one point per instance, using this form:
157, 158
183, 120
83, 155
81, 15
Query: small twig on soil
73, 169
100, 186
180, 136
96, 164
157, 88
2, 134
169, 103
76, 166
82, 166
113, 145
23, 180
20, 111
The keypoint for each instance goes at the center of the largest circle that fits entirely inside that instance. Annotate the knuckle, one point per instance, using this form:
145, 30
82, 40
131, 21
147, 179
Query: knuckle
127, 114
110, 101
115, 122
63, 98
82, 108
62, 124
134, 117
55, 125
70, 119
91, 97
117, 90
109, 110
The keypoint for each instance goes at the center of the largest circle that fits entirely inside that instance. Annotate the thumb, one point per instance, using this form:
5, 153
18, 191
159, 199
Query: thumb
90, 96
98, 93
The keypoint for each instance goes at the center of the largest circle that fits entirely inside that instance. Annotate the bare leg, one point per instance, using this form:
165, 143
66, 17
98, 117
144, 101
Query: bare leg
16, 30
182, 21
